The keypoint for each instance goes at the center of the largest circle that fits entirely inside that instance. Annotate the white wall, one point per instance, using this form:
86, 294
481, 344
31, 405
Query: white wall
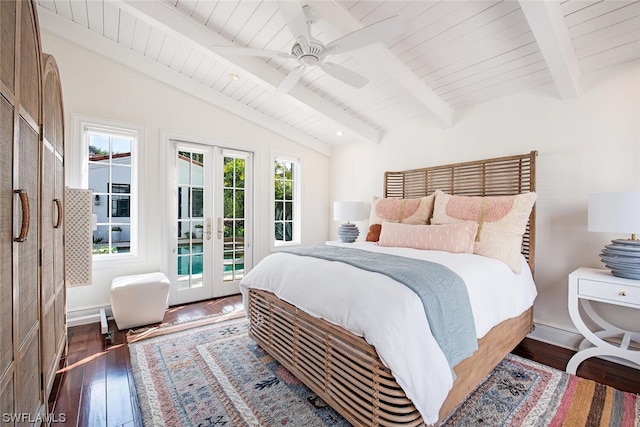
95, 86
586, 145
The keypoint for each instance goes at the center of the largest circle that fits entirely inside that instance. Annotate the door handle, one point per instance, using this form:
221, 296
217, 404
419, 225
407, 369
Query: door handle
59, 217
219, 228
208, 229
26, 215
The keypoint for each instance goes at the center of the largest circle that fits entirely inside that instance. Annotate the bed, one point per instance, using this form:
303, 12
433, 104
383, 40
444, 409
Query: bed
345, 369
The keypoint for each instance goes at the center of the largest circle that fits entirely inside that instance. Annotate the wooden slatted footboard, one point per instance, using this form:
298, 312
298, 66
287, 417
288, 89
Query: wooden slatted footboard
345, 370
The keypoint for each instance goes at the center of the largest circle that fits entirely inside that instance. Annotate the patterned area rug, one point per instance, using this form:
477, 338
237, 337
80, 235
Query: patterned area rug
217, 376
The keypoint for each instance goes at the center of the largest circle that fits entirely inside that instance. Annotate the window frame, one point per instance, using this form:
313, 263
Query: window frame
297, 200
86, 125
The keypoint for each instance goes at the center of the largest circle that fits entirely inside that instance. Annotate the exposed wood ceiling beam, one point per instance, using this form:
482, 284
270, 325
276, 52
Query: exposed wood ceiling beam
177, 24
340, 19
550, 30
91, 40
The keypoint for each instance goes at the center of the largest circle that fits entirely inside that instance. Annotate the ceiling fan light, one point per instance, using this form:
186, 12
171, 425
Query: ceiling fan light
309, 59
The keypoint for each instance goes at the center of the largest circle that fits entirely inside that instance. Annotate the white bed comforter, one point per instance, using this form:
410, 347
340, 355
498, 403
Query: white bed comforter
389, 315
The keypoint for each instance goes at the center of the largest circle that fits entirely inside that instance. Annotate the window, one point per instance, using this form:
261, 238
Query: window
286, 199
110, 152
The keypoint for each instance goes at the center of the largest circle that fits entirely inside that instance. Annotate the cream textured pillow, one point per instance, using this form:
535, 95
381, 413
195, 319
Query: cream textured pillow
456, 238
502, 220
406, 211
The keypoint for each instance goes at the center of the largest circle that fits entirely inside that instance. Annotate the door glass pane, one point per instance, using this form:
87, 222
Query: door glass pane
234, 232
184, 168
228, 203
190, 211
183, 202
197, 202
239, 204
197, 170
197, 230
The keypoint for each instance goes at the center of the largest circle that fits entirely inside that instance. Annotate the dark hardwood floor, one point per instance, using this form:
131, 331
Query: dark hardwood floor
94, 386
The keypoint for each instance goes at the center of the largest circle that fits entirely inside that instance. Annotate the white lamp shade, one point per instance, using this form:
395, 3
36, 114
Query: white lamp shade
614, 212
348, 211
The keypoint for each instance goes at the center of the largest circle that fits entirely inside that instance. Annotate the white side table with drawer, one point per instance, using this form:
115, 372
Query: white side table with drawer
591, 284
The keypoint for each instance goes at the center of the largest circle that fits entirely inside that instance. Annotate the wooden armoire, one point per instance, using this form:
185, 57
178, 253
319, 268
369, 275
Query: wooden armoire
32, 294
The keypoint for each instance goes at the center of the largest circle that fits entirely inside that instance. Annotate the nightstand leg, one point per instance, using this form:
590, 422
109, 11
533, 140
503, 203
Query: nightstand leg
582, 355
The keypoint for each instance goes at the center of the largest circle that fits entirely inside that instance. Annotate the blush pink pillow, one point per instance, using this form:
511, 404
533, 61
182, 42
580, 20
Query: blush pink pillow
406, 211
456, 238
502, 220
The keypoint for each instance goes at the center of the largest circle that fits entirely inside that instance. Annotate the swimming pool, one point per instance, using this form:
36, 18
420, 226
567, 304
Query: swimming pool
190, 260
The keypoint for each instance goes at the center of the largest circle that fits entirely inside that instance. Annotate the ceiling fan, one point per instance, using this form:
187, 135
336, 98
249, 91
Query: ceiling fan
310, 52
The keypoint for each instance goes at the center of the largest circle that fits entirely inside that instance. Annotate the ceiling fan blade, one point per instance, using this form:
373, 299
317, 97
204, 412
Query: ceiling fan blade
294, 17
292, 78
249, 51
367, 35
343, 74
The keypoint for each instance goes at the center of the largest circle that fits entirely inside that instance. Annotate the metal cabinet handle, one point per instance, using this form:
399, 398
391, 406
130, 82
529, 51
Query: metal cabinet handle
58, 223
622, 293
26, 215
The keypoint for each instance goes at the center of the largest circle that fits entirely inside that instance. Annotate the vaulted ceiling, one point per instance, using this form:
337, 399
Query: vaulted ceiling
449, 55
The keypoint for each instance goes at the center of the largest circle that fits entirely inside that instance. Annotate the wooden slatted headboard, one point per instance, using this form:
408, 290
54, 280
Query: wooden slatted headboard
502, 176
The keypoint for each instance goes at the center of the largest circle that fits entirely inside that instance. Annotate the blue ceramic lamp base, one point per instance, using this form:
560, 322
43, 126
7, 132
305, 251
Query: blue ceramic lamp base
622, 257
348, 232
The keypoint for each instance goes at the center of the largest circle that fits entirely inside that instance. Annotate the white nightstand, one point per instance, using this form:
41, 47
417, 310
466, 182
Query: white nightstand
590, 284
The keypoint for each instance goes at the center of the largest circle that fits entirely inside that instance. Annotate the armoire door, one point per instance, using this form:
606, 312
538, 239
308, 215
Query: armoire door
53, 296
20, 108
26, 178
7, 90
6, 282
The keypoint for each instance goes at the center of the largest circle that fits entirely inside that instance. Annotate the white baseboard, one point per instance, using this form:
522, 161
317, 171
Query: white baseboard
556, 336
86, 316
568, 339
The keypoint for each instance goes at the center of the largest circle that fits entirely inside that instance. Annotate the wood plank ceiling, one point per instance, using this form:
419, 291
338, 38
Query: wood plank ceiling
452, 54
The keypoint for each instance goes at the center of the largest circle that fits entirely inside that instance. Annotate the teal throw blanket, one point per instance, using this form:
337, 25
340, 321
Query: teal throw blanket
443, 293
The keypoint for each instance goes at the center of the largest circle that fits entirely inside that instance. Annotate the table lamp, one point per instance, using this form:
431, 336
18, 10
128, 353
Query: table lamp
618, 213
348, 211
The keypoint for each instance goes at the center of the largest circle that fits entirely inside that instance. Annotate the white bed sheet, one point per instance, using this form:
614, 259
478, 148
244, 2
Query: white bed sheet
389, 315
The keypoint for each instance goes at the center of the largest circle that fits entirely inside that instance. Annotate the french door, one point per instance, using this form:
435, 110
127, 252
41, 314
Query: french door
211, 248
